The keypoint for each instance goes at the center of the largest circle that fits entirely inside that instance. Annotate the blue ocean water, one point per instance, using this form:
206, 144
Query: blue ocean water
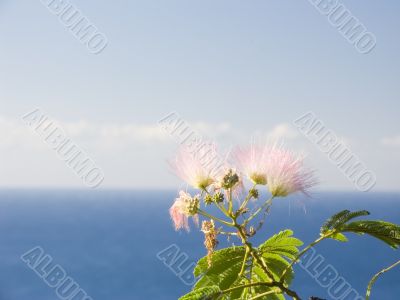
108, 241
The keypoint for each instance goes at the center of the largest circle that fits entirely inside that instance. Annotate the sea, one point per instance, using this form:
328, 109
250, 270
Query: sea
119, 245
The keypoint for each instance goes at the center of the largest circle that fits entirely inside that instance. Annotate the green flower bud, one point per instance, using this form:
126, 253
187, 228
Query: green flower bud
193, 206
254, 193
218, 197
230, 179
208, 199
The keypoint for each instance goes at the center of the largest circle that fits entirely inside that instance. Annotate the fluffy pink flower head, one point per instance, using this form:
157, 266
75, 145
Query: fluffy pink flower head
195, 167
184, 207
286, 173
252, 162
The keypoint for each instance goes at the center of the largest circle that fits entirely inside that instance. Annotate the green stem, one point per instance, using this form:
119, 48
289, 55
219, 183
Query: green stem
262, 263
247, 199
221, 207
230, 201
201, 212
269, 284
246, 255
250, 251
371, 283
265, 294
296, 259
261, 208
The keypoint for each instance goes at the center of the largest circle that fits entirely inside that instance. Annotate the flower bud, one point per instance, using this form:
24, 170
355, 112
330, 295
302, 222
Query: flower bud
254, 193
229, 180
208, 199
218, 197
192, 206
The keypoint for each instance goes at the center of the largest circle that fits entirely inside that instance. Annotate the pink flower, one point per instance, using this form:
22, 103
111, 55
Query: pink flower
252, 162
184, 207
286, 173
196, 167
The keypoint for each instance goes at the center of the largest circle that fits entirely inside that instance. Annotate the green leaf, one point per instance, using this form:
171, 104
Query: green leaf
219, 258
239, 293
282, 244
226, 265
224, 279
205, 293
224, 270
339, 237
275, 251
341, 218
384, 231
332, 221
277, 264
259, 275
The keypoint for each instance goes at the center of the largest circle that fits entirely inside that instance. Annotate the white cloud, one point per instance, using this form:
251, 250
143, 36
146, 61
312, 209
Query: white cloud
118, 148
282, 131
15, 132
212, 130
393, 141
121, 148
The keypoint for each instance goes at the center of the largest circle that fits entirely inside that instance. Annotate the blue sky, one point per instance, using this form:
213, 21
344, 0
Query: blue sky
244, 67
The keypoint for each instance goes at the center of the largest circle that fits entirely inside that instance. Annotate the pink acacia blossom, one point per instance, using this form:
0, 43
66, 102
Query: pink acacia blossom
252, 162
286, 173
195, 167
184, 207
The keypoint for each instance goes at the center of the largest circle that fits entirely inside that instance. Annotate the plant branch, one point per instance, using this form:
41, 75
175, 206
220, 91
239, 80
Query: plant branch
203, 213
230, 201
221, 207
261, 208
262, 263
266, 293
269, 284
371, 283
296, 259
246, 255
247, 199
